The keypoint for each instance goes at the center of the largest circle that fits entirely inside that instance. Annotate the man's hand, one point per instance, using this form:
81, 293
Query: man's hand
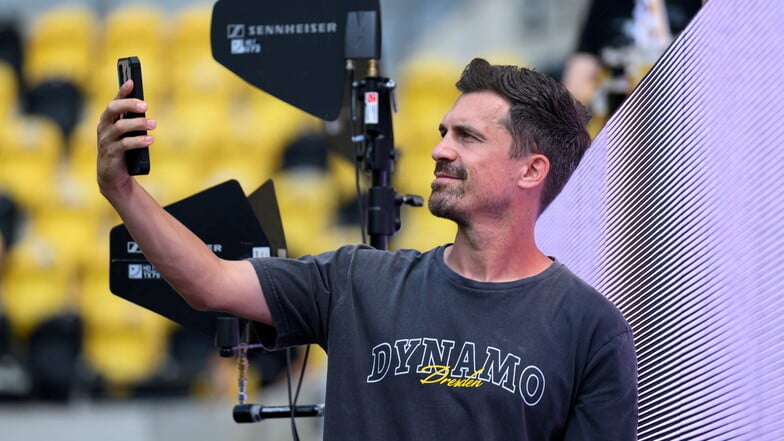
113, 178
581, 76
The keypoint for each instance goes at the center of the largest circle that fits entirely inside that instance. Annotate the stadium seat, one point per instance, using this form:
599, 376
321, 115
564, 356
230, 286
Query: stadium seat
123, 343
140, 30
426, 92
52, 358
307, 202
9, 91
30, 153
36, 284
60, 100
12, 45
272, 124
61, 44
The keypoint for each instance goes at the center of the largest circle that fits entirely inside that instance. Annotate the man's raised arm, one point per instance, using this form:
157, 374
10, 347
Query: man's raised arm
204, 280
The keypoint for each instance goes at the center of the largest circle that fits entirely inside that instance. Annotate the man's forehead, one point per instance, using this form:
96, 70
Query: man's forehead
478, 107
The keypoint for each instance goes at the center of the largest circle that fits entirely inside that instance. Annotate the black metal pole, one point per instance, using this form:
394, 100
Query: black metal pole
382, 206
253, 413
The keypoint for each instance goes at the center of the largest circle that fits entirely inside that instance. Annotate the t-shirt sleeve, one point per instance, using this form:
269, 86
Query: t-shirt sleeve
606, 407
298, 292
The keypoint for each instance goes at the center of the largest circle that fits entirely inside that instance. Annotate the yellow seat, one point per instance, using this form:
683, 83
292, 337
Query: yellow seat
426, 92
271, 124
196, 74
307, 202
186, 147
9, 91
343, 171
414, 174
191, 30
123, 342
427, 77
30, 153
201, 81
104, 83
35, 285
133, 30
137, 29
60, 44
249, 174
68, 227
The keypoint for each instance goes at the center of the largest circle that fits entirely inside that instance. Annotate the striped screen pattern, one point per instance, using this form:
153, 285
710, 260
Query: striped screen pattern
677, 215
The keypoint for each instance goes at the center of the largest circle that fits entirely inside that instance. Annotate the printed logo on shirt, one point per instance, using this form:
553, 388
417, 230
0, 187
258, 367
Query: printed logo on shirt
437, 363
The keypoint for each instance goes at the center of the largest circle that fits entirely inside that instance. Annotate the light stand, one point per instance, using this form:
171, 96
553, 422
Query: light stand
230, 343
244, 36
383, 202
375, 155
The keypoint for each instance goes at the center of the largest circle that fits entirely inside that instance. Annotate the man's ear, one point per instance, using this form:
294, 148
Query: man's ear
534, 171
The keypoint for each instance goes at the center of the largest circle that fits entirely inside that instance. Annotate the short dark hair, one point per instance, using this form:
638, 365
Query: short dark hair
544, 118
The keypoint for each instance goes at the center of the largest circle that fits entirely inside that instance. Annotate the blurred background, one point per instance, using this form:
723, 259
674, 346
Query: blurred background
78, 362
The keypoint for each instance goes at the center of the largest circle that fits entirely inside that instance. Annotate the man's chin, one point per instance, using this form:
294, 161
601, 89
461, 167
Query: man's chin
441, 207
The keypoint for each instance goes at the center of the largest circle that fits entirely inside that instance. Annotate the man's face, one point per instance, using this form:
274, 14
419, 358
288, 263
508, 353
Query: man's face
474, 175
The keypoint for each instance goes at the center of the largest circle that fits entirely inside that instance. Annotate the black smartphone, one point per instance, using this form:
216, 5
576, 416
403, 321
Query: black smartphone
130, 68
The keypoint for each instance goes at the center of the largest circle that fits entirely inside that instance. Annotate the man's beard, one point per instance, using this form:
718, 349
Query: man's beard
447, 200
443, 201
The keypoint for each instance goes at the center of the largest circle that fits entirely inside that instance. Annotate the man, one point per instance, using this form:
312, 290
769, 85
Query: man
643, 28
486, 338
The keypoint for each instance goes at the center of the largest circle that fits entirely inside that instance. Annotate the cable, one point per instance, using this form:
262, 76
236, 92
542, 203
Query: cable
294, 433
302, 374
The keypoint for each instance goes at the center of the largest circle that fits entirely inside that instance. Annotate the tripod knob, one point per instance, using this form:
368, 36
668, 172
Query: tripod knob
411, 199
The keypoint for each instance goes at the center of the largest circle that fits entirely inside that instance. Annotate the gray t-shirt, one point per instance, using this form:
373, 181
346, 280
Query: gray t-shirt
418, 352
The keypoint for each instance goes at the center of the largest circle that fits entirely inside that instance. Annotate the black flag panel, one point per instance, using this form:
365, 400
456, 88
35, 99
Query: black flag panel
228, 224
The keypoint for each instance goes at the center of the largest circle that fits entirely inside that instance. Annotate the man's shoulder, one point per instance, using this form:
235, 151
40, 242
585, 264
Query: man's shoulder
589, 301
364, 251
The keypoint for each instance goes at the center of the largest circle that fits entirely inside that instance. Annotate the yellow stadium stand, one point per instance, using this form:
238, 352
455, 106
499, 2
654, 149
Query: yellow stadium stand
124, 343
9, 91
307, 202
61, 44
30, 155
133, 29
36, 283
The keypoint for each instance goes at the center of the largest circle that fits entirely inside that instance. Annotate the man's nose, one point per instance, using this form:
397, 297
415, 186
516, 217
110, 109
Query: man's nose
443, 151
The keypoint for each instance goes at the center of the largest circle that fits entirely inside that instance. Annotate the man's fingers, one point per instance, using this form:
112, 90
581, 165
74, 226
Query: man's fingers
117, 107
135, 142
120, 104
134, 125
124, 89
120, 127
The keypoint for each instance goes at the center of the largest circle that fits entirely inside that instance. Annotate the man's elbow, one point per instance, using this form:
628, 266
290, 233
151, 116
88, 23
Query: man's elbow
199, 300
200, 303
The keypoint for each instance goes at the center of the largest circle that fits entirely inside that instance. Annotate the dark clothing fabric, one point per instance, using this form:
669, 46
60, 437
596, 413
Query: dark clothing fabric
418, 352
607, 22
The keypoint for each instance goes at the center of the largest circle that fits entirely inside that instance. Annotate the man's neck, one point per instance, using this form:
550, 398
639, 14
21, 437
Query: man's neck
497, 257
